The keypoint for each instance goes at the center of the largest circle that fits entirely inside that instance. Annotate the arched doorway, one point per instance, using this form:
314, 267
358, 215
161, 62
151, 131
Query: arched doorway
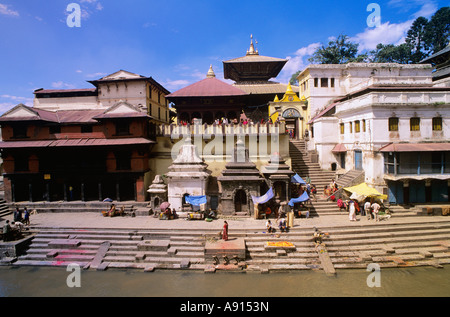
240, 201
280, 190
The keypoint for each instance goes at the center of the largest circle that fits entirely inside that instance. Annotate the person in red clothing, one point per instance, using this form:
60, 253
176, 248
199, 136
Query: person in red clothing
225, 231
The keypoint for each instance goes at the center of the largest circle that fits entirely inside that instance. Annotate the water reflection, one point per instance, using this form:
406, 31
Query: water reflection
51, 282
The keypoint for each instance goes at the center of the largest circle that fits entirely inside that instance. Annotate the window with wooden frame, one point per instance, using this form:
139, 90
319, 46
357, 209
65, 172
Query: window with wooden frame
342, 126
414, 124
122, 127
437, 124
357, 126
393, 124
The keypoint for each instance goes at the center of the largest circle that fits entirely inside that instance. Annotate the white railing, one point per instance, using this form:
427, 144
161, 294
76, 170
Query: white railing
176, 131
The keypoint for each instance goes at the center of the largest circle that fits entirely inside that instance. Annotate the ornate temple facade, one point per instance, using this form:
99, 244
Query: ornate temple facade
389, 120
84, 144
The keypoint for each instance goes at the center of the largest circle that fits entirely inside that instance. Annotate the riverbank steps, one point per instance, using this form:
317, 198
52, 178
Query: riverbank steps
388, 244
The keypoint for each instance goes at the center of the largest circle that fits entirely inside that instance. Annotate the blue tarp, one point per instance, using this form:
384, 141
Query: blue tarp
297, 179
196, 200
302, 198
263, 199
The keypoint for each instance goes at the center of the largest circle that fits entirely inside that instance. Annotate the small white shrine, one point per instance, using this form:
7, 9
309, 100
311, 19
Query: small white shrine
188, 175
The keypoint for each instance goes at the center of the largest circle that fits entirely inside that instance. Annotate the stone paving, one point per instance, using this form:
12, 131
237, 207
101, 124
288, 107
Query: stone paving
402, 240
94, 220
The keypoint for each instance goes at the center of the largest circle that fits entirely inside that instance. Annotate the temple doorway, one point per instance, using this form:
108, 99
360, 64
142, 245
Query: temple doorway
240, 201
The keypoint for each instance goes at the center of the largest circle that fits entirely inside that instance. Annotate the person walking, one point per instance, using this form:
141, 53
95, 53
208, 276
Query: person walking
352, 211
225, 231
367, 210
26, 217
6, 231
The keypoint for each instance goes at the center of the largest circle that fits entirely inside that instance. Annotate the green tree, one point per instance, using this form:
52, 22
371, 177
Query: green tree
437, 32
293, 80
415, 39
339, 51
391, 53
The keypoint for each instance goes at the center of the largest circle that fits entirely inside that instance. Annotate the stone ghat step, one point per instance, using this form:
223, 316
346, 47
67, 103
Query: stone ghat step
45, 235
390, 234
25, 262
378, 239
150, 267
184, 235
130, 259
89, 241
59, 257
291, 255
176, 252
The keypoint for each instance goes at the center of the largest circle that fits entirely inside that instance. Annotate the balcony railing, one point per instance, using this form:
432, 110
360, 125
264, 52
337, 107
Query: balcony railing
177, 131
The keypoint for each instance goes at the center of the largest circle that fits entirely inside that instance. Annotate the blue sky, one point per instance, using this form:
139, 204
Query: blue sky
175, 41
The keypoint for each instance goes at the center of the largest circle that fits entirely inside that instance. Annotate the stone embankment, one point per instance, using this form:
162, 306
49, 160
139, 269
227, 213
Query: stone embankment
387, 244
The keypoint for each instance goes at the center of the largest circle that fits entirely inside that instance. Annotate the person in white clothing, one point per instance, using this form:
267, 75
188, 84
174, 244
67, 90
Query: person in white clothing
367, 210
375, 208
352, 211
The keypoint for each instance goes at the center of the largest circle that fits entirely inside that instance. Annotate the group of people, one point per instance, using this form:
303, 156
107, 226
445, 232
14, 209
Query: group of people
282, 225
329, 190
370, 208
113, 211
14, 229
167, 214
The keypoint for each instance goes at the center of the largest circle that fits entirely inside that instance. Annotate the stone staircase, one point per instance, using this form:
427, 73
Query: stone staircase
424, 244
303, 165
128, 249
348, 247
4, 208
79, 206
351, 178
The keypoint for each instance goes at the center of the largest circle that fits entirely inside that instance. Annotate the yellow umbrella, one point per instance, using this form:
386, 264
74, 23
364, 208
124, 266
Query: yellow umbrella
364, 190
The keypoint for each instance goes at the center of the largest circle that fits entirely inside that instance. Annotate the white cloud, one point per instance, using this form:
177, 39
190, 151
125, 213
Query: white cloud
427, 10
6, 11
297, 62
62, 85
174, 85
96, 75
88, 8
8, 102
386, 33
394, 33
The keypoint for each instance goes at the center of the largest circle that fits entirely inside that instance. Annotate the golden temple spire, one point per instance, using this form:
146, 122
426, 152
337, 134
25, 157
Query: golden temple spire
252, 50
210, 73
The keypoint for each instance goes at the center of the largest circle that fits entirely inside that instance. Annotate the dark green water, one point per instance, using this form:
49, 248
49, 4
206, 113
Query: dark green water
52, 282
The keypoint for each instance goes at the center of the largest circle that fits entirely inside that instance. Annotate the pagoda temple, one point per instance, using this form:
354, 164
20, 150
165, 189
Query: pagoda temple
252, 74
208, 99
252, 90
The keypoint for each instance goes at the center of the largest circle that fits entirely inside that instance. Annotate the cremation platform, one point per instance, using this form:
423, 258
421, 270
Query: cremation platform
234, 247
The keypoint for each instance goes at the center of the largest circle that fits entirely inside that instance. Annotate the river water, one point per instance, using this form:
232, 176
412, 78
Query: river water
52, 282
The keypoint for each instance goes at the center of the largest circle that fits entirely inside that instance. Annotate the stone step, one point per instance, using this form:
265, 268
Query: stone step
25, 262
58, 258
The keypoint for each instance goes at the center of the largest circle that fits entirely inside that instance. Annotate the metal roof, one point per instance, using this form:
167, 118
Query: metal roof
208, 87
73, 143
415, 147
